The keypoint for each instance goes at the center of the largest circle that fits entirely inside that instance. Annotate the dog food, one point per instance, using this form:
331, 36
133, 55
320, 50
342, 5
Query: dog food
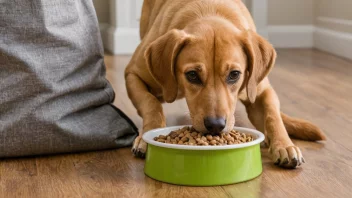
189, 136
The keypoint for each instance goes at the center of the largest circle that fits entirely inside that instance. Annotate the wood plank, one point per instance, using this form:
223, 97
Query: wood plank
96, 175
316, 83
323, 159
19, 177
2, 178
57, 177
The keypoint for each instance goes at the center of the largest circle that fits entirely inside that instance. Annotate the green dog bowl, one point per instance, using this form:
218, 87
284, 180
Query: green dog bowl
202, 165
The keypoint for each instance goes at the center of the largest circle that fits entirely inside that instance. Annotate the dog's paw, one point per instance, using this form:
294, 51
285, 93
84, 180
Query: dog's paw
139, 148
287, 157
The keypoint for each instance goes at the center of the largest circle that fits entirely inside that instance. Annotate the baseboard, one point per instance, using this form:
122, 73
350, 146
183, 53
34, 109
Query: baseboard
291, 36
344, 22
121, 40
334, 42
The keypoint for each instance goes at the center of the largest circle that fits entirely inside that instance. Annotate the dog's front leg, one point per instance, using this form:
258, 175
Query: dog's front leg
265, 116
148, 107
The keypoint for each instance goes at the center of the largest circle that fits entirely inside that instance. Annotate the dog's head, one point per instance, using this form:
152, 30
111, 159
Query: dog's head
210, 63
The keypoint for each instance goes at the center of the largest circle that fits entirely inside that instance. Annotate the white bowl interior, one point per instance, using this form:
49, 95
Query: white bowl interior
149, 138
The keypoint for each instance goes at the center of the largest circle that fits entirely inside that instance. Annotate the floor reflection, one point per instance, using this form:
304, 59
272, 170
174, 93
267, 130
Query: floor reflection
248, 189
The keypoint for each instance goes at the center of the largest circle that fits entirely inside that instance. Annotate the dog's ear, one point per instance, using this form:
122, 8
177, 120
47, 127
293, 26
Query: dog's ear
261, 58
161, 59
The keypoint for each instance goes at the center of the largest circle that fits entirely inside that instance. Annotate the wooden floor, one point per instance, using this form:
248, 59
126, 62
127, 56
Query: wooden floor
311, 85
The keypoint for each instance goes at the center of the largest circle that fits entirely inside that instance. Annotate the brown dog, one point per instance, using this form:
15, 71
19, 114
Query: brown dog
208, 51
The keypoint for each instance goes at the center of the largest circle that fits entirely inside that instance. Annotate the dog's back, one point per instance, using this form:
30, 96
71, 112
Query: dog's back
163, 15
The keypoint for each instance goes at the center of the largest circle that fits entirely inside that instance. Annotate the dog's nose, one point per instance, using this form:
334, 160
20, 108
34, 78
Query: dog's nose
214, 125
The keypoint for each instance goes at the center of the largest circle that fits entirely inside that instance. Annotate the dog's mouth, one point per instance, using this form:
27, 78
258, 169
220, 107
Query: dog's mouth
214, 126
212, 132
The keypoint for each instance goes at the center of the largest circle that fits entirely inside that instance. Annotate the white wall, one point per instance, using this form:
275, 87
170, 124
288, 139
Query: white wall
291, 23
333, 22
290, 12
119, 24
322, 24
102, 10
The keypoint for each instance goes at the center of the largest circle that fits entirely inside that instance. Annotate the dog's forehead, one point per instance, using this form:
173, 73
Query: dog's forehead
219, 50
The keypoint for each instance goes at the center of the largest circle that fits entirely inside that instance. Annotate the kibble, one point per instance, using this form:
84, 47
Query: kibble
213, 142
209, 137
189, 136
216, 138
184, 139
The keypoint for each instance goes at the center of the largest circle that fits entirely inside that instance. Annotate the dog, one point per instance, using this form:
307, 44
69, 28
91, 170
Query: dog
208, 52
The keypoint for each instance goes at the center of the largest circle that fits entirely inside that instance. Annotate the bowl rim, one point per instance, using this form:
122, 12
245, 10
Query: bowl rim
149, 138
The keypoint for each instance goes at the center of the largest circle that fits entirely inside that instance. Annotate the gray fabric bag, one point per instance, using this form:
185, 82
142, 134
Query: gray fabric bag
54, 97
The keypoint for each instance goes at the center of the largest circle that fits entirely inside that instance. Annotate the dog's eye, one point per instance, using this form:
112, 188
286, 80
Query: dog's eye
233, 77
193, 77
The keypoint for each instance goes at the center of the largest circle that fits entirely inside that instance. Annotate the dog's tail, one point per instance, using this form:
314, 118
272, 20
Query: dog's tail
301, 129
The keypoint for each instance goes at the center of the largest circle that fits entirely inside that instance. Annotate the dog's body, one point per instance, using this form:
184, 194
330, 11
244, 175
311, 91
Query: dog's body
208, 52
